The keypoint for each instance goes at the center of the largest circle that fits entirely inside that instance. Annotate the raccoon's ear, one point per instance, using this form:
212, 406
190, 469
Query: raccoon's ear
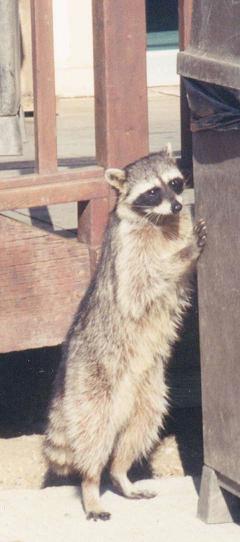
168, 150
116, 178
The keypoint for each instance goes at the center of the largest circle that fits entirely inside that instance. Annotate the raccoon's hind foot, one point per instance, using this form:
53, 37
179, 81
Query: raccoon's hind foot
130, 490
200, 231
104, 516
91, 500
141, 493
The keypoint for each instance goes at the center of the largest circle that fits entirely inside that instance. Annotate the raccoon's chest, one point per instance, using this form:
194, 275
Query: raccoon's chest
156, 332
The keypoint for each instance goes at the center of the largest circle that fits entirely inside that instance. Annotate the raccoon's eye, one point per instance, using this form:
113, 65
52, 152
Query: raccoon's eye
150, 198
176, 185
153, 196
153, 191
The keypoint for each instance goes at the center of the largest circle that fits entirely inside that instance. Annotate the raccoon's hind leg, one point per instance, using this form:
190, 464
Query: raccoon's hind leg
91, 437
90, 460
131, 446
91, 498
137, 439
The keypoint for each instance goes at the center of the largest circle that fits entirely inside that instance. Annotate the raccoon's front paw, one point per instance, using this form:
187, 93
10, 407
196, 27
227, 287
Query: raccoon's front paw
200, 231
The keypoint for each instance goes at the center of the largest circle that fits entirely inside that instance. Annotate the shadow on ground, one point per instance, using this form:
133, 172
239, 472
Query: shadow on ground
26, 380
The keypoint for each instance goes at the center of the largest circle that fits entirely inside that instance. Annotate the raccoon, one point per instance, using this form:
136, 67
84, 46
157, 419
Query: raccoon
110, 396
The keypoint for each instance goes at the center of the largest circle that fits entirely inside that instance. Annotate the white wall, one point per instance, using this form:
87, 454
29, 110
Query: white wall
74, 52
73, 47
161, 68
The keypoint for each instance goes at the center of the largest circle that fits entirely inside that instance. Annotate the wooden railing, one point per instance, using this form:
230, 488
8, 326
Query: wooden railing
120, 111
121, 118
41, 273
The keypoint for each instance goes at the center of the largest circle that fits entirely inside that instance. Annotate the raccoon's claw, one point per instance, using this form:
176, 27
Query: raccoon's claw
200, 231
104, 516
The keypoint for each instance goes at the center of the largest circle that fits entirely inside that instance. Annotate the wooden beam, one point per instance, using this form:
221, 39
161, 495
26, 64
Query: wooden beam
62, 187
83, 173
121, 117
185, 8
44, 86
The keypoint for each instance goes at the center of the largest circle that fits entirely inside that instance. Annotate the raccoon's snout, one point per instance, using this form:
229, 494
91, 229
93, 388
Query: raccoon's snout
176, 207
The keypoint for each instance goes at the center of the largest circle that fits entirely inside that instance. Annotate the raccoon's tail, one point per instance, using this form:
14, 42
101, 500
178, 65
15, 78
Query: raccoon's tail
56, 451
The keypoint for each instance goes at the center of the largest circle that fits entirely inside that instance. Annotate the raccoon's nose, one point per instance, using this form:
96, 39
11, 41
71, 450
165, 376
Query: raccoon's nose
176, 207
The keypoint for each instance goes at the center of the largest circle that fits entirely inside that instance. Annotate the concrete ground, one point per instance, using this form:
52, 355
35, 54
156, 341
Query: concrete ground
55, 514
75, 128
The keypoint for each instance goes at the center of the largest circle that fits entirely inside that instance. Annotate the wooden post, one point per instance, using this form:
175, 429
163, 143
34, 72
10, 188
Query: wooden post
185, 17
92, 217
121, 117
120, 81
44, 86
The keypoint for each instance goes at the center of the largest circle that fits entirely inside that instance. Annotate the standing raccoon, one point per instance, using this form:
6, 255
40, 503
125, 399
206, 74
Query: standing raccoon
110, 395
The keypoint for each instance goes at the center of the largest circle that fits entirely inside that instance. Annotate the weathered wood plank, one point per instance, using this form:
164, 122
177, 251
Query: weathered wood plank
44, 86
32, 191
185, 8
42, 277
120, 81
216, 177
83, 173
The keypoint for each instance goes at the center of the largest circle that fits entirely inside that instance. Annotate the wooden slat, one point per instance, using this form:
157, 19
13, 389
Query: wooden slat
44, 86
83, 173
43, 277
185, 8
34, 190
120, 81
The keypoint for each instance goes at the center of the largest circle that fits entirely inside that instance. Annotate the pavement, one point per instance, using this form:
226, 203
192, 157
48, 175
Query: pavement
76, 134
55, 515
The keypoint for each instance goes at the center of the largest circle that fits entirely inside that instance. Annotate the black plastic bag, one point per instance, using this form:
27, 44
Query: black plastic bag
213, 107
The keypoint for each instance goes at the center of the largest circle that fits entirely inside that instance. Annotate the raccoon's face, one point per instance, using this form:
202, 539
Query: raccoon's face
150, 187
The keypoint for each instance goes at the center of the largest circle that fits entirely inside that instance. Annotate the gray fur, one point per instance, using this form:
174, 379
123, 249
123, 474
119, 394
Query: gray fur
110, 396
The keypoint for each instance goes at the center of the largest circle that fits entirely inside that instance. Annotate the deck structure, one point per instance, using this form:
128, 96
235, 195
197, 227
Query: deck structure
44, 275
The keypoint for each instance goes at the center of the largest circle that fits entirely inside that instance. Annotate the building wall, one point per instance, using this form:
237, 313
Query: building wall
73, 47
74, 51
